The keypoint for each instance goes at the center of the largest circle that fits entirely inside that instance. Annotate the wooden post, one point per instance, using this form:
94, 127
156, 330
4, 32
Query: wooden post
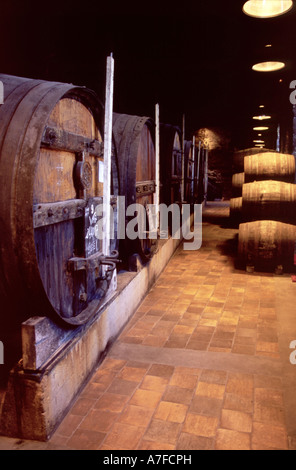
183, 161
198, 162
108, 151
193, 167
157, 163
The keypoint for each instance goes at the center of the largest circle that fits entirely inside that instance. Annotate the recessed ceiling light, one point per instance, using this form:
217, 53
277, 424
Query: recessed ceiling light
261, 118
261, 106
260, 128
268, 45
258, 141
268, 66
267, 8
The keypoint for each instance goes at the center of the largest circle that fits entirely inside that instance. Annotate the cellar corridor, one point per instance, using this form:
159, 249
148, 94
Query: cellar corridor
204, 363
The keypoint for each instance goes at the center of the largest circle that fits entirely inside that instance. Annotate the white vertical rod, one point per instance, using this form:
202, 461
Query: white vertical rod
183, 161
157, 162
108, 151
198, 161
206, 174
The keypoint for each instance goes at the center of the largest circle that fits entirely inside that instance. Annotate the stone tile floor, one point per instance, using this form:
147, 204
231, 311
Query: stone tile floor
203, 363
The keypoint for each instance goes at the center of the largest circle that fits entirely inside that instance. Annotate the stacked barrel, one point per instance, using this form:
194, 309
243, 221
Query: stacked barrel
268, 232
238, 179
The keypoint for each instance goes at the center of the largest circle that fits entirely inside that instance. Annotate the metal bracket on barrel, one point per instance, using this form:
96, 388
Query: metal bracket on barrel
94, 262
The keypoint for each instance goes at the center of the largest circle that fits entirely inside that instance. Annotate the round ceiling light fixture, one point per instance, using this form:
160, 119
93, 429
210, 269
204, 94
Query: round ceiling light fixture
260, 128
258, 141
267, 8
268, 66
262, 117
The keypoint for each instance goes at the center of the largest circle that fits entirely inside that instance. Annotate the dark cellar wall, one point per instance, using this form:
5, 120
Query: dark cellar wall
220, 147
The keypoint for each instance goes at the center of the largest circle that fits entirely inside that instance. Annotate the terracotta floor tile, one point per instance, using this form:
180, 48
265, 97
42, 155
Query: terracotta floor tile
92, 391
236, 420
178, 395
99, 421
269, 414
124, 437
161, 370
82, 406
232, 440
195, 309
86, 440
199, 425
248, 349
197, 345
183, 330
155, 383
240, 384
266, 381
269, 397
188, 370
265, 346
206, 406
154, 341
214, 376
104, 376
131, 374
190, 442
152, 445
168, 411
208, 322
238, 403
146, 398
176, 342
183, 380
210, 390
113, 364
136, 416
267, 436
111, 402
122, 387
68, 425
163, 431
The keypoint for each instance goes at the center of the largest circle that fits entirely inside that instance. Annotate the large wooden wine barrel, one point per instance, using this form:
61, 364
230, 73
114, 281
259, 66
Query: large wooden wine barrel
238, 180
267, 244
270, 166
134, 138
51, 159
171, 164
269, 200
239, 156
